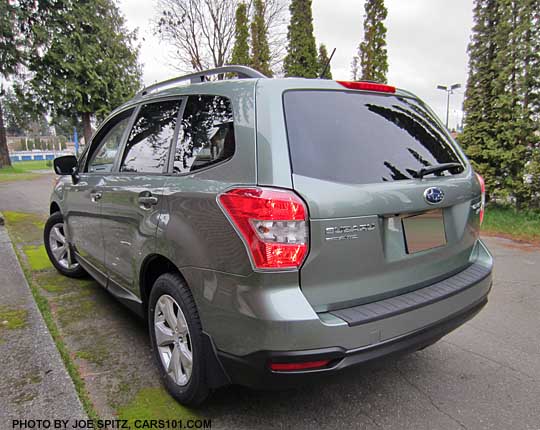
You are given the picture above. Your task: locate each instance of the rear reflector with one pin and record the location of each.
(483, 198)
(307, 365)
(368, 86)
(272, 224)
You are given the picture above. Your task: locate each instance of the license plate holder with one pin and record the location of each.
(424, 231)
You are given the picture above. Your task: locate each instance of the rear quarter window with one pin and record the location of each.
(363, 138)
(207, 134)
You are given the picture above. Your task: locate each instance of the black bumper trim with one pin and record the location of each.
(252, 370)
(415, 299)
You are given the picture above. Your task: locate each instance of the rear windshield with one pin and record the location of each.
(361, 138)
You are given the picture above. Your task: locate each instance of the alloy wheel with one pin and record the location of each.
(173, 340)
(60, 247)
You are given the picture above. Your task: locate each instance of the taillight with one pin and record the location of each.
(368, 86)
(306, 365)
(272, 224)
(483, 198)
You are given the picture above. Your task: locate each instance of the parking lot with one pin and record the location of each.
(485, 375)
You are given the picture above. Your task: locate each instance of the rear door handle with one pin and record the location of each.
(95, 196)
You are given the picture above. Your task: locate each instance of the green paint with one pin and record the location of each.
(12, 319)
(152, 403)
(37, 257)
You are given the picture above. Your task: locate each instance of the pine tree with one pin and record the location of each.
(11, 56)
(355, 68)
(510, 155)
(502, 97)
(301, 59)
(89, 65)
(478, 137)
(240, 53)
(530, 87)
(260, 51)
(372, 50)
(324, 63)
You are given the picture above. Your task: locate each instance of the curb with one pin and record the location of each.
(34, 383)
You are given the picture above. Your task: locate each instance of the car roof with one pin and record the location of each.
(198, 83)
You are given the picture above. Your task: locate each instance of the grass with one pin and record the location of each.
(27, 166)
(37, 257)
(152, 403)
(12, 319)
(522, 225)
(23, 170)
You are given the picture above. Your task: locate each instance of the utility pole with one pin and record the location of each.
(449, 90)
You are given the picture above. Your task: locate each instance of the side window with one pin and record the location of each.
(104, 150)
(208, 133)
(148, 144)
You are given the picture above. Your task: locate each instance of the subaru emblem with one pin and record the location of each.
(434, 195)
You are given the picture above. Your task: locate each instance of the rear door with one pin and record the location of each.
(131, 200)
(376, 228)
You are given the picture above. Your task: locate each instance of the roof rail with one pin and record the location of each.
(242, 72)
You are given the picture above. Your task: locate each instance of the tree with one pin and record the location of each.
(301, 59)
(89, 62)
(64, 126)
(324, 65)
(240, 53)
(21, 120)
(355, 69)
(479, 104)
(202, 32)
(260, 51)
(11, 56)
(372, 53)
(502, 97)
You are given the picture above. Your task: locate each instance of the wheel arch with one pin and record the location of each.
(153, 267)
(54, 207)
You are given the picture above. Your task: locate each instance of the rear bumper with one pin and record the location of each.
(259, 318)
(252, 370)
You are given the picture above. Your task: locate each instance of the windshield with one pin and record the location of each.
(361, 138)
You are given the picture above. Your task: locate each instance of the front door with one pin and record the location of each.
(83, 217)
(132, 194)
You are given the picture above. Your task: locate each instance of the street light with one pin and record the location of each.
(449, 90)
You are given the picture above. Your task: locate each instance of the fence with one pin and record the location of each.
(16, 156)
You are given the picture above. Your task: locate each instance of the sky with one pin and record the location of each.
(426, 40)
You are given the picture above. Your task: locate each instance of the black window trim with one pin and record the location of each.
(166, 170)
(208, 166)
(92, 149)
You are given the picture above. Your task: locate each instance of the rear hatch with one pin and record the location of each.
(377, 229)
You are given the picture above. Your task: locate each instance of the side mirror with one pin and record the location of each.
(67, 165)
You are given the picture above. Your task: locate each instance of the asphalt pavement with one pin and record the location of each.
(484, 375)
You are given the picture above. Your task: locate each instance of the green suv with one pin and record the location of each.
(274, 230)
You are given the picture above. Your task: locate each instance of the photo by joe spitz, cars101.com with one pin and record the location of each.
(262, 244)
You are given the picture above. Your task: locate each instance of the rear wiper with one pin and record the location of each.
(436, 169)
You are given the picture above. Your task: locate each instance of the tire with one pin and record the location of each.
(59, 250)
(188, 386)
